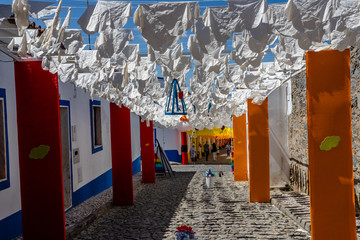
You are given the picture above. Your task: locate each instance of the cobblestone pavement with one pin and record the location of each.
(78, 217)
(297, 207)
(222, 212)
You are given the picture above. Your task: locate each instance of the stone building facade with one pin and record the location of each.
(297, 132)
(298, 135)
(355, 121)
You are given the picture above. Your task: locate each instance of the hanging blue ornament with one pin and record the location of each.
(175, 104)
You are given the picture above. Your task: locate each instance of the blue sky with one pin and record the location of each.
(79, 6)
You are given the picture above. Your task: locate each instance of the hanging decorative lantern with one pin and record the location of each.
(175, 104)
(184, 119)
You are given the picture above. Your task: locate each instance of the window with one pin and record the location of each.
(96, 133)
(4, 153)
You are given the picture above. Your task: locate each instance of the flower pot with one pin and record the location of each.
(185, 237)
(182, 236)
(209, 182)
(192, 237)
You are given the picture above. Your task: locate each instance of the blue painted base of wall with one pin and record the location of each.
(11, 227)
(173, 155)
(136, 165)
(93, 188)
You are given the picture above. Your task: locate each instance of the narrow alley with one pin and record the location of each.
(221, 212)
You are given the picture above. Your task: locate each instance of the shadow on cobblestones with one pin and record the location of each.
(221, 212)
(149, 218)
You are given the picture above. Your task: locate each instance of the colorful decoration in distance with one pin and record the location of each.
(159, 167)
(218, 133)
(232, 161)
(175, 96)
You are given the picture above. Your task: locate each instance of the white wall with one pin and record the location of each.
(278, 139)
(178, 141)
(10, 197)
(91, 165)
(170, 141)
(135, 136)
(168, 138)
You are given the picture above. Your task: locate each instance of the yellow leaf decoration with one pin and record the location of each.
(39, 152)
(329, 143)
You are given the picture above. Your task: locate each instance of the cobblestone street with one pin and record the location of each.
(222, 212)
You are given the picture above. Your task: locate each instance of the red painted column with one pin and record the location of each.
(38, 117)
(147, 152)
(121, 155)
(184, 149)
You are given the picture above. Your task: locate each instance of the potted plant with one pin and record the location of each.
(208, 177)
(185, 233)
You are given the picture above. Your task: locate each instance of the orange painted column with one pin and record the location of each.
(240, 148)
(259, 166)
(332, 204)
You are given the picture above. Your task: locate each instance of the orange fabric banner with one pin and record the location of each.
(259, 166)
(240, 148)
(332, 204)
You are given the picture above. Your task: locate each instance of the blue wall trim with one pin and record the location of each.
(136, 165)
(92, 188)
(5, 184)
(155, 143)
(11, 226)
(173, 155)
(93, 148)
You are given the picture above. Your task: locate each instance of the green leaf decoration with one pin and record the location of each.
(39, 152)
(329, 143)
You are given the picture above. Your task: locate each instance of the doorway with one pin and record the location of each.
(66, 152)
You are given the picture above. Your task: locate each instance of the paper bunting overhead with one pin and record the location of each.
(222, 80)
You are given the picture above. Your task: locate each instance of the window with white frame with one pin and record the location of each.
(4, 158)
(96, 132)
